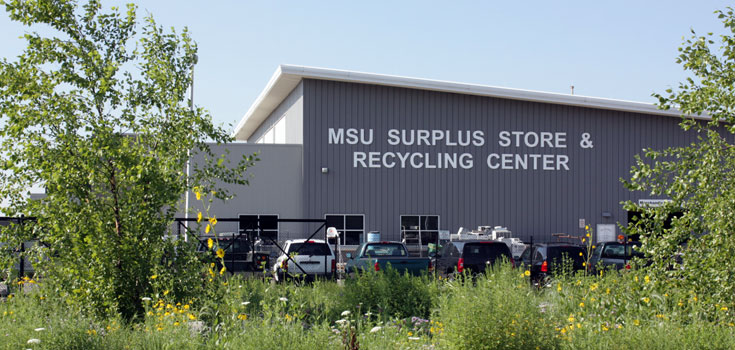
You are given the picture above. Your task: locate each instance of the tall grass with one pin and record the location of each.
(497, 310)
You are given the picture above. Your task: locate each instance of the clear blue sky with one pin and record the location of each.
(612, 49)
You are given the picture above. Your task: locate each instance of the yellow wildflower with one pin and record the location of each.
(647, 279)
(192, 317)
(199, 216)
(220, 253)
(724, 308)
(558, 287)
(198, 194)
(571, 318)
(206, 229)
(213, 221)
(242, 317)
(647, 300)
(154, 277)
(527, 273)
(604, 328)
(636, 278)
(581, 304)
(580, 254)
(586, 227)
(176, 323)
(222, 272)
(587, 234)
(210, 243)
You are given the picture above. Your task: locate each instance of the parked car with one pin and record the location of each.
(457, 257)
(379, 256)
(545, 259)
(305, 259)
(240, 253)
(614, 255)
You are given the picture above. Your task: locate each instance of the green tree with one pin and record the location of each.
(97, 114)
(699, 179)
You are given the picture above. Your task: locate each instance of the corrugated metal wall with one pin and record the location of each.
(528, 202)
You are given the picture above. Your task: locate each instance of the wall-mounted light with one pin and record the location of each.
(325, 170)
(606, 214)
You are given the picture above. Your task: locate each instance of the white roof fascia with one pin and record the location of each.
(287, 77)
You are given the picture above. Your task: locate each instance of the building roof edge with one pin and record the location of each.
(287, 77)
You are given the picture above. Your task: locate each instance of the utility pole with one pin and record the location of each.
(188, 155)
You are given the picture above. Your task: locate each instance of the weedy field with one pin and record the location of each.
(498, 310)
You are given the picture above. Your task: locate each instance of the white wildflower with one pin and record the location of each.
(34, 341)
(345, 313)
(283, 299)
(375, 329)
(40, 329)
(342, 321)
(245, 303)
(145, 299)
(414, 338)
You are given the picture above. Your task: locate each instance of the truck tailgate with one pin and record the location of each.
(410, 265)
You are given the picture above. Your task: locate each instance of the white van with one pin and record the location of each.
(308, 259)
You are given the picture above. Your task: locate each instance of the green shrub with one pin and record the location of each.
(497, 310)
(390, 294)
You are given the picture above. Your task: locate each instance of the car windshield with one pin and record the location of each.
(615, 250)
(309, 248)
(385, 250)
(484, 251)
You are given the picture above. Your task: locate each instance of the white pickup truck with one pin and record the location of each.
(305, 259)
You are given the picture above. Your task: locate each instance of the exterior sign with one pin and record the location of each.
(605, 233)
(652, 203)
(524, 150)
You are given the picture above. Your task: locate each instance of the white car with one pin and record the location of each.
(308, 259)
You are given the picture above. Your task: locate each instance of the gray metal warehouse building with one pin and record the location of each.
(407, 156)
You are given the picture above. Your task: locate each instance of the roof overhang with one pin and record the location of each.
(287, 77)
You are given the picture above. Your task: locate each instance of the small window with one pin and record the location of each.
(422, 229)
(537, 257)
(526, 255)
(351, 228)
(266, 225)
